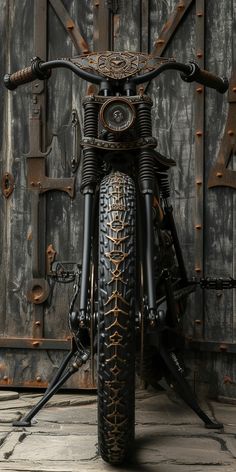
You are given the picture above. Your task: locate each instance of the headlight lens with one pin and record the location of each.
(117, 115)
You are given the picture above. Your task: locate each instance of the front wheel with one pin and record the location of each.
(116, 318)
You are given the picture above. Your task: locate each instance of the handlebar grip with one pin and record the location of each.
(20, 77)
(221, 84)
(24, 76)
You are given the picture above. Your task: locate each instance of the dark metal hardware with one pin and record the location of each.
(76, 138)
(7, 184)
(214, 283)
(64, 272)
(119, 146)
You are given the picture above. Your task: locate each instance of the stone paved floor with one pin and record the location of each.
(169, 437)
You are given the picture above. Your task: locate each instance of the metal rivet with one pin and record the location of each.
(198, 182)
(38, 323)
(35, 343)
(199, 13)
(219, 174)
(180, 6)
(234, 89)
(198, 322)
(38, 378)
(230, 132)
(198, 226)
(199, 133)
(223, 347)
(199, 90)
(198, 269)
(5, 377)
(199, 54)
(160, 41)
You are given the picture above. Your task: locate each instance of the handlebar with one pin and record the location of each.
(42, 70)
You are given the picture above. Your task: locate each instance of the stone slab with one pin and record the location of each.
(8, 395)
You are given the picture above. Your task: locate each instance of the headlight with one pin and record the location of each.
(117, 114)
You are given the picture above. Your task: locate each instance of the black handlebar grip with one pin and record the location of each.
(26, 75)
(221, 84)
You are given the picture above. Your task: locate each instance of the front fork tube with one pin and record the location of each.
(149, 255)
(87, 240)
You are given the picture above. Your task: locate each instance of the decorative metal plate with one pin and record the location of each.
(118, 65)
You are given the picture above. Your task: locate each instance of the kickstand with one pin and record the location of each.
(183, 388)
(80, 357)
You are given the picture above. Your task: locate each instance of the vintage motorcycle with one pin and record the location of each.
(133, 280)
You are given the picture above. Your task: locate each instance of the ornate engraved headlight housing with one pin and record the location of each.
(117, 114)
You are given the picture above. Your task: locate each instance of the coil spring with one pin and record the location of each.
(164, 185)
(145, 170)
(89, 171)
(144, 120)
(111, 137)
(146, 160)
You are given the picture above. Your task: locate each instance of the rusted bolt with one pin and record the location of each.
(219, 174)
(228, 379)
(70, 24)
(38, 378)
(199, 133)
(198, 226)
(199, 90)
(223, 347)
(230, 132)
(198, 322)
(35, 343)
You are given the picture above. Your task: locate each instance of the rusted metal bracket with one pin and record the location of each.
(37, 180)
(171, 26)
(199, 142)
(221, 175)
(7, 184)
(70, 26)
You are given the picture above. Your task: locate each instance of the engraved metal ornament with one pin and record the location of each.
(118, 65)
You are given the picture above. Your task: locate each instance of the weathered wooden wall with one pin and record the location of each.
(137, 25)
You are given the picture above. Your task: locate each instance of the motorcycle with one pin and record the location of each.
(133, 282)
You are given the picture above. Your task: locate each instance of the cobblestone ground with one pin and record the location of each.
(169, 437)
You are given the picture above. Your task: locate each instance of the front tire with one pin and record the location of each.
(116, 319)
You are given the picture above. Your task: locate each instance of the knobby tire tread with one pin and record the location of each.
(116, 318)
